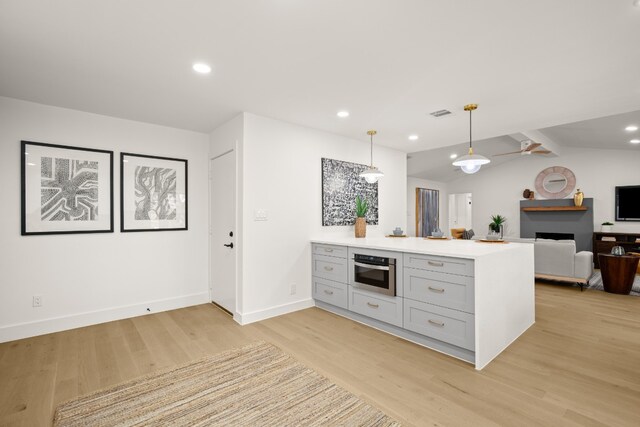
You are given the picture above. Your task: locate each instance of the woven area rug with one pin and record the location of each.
(595, 282)
(256, 385)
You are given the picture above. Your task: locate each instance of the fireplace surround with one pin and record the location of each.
(576, 222)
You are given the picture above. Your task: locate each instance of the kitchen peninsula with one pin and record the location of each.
(465, 298)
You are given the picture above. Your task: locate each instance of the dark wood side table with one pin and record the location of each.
(618, 272)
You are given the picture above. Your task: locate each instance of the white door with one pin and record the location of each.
(223, 230)
(460, 211)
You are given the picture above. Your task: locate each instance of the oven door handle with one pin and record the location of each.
(373, 267)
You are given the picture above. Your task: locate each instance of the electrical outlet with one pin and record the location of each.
(293, 289)
(37, 300)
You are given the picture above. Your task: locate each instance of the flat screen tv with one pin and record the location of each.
(628, 203)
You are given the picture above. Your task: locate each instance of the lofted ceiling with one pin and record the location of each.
(530, 65)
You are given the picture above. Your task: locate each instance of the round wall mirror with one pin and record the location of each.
(555, 182)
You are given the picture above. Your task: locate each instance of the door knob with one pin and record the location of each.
(230, 245)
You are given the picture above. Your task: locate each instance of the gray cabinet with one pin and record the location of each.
(377, 306)
(446, 290)
(451, 326)
(439, 264)
(333, 293)
(434, 303)
(330, 268)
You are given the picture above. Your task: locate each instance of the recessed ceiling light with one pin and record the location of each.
(635, 141)
(631, 128)
(201, 68)
(413, 137)
(453, 156)
(343, 114)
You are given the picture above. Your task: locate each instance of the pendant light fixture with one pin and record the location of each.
(471, 163)
(372, 174)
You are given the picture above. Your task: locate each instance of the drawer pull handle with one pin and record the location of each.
(437, 323)
(373, 305)
(436, 264)
(328, 292)
(328, 250)
(326, 267)
(439, 290)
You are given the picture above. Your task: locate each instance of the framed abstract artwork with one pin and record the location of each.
(341, 183)
(153, 193)
(65, 189)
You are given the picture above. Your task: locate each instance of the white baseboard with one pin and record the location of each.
(256, 316)
(63, 323)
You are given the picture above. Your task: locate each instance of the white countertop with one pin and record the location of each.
(471, 249)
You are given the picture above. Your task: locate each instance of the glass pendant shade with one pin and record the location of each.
(471, 163)
(372, 173)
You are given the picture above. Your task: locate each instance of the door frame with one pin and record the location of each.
(237, 231)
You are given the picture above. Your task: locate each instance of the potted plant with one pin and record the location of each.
(362, 207)
(497, 224)
(606, 227)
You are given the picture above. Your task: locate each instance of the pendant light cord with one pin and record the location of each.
(470, 111)
(372, 150)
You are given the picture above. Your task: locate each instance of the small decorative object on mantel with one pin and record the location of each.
(497, 224)
(362, 206)
(607, 227)
(578, 198)
(528, 194)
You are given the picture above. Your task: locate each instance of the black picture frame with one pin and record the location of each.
(126, 191)
(32, 222)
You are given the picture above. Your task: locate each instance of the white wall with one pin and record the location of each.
(226, 137)
(282, 174)
(499, 190)
(412, 184)
(91, 278)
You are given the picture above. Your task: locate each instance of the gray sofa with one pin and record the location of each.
(558, 260)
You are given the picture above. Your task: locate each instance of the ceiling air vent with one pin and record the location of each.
(440, 113)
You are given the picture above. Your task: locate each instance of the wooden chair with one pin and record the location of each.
(456, 233)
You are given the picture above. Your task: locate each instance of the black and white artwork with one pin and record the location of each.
(341, 183)
(66, 189)
(153, 193)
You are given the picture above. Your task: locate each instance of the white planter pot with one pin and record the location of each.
(607, 228)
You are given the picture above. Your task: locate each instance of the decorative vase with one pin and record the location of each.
(578, 198)
(361, 227)
(606, 229)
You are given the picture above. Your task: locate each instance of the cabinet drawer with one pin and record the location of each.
(333, 293)
(441, 264)
(445, 290)
(329, 250)
(451, 326)
(377, 306)
(330, 268)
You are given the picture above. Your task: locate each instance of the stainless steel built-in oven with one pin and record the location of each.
(374, 273)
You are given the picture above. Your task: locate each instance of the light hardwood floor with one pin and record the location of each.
(578, 365)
